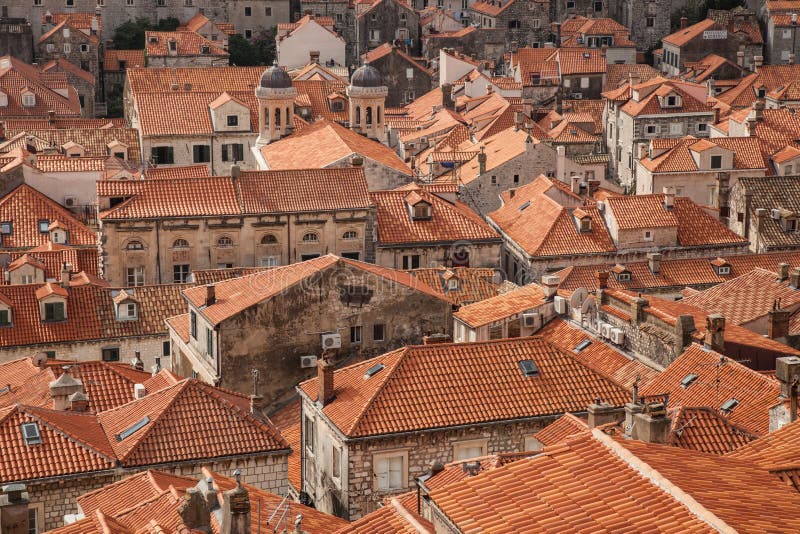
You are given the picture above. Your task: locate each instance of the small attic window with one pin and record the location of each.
(582, 345)
(205, 49)
(624, 276)
(724, 269)
(44, 226)
(586, 224)
(761, 92)
(728, 406)
(528, 368)
(421, 210)
(28, 100)
(372, 371)
(131, 430)
(688, 380)
(6, 228)
(452, 283)
(31, 434)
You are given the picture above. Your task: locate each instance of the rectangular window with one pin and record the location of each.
(111, 355)
(676, 128)
(233, 120)
(135, 276)
(33, 521)
(374, 36)
(163, 155)
(193, 324)
(411, 261)
(233, 152)
(389, 473)
(248, 34)
(309, 434)
(165, 348)
(4, 318)
(651, 129)
(270, 261)
(378, 332)
(702, 127)
(129, 3)
(248, 11)
(209, 342)
(355, 334)
(716, 162)
(584, 82)
(469, 449)
(268, 11)
(44, 226)
(180, 273)
(54, 311)
(516, 178)
(648, 235)
(51, 354)
(650, 22)
(201, 153)
(84, 48)
(6, 228)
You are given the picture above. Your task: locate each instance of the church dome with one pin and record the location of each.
(275, 78)
(366, 76)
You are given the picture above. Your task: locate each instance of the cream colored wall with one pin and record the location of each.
(295, 50)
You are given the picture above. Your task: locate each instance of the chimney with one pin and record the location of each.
(652, 425)
(638, 305)
(654, 262)
(715, 332)
(740, 58)
(644, 150)
(669, 198)
(195, 511)
(436, 339)
(519, 118)
(139, 391)
(211, 294)
(787, 371)
(447, 96)
(14, 502)
(758, 62)
(79, 402)
(550, 285)
(256, 404)
(602, 413)
(137, 363)
(632, 409)
(778, 321)
(156, 367)
(482, 160)
(66, 269)
(61, 389)
(235, 171)
(313, 56)
(325, 392)
(794, 278)
(602, 279)
(576, 183)
(357, 161)
(634, 79)
(783, 272)
(684, 23)
(236, 509)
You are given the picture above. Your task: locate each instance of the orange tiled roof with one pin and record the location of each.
(179, 171)
(130, 58)
(693, 97)
(474, 284)
(776, 452)
(774, 192)
(238, 294)
(448, 222)
(95, 141)
(392, 518)
(748, 153)
(718, 379)
(67, 21)
(287, 421)
(62, 65)
(16, 76)
(144, 486)
(188, 43)
(686, 35)
(561, 430)
(459, 377)
(24, 207)
(501, 306)
(386, 49)
(706, 430)
(325, 143)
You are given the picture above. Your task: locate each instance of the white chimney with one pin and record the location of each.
(139, 391)
(550, 285)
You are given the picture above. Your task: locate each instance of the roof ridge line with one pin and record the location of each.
(403, 352)
(24, 408)
(662, 483)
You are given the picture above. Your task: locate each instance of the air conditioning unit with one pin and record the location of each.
(69, 202)
(560, 304)
(617, 336)
(775, 214)
(331, 340)
(308, 361)
(530, 320)
(605, 330)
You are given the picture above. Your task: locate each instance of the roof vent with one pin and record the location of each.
(31, 434)
(528, 368)
(582, 345)
(372, 371)
(728, 406)
(525, 205)
(688, 380)
(128, 432)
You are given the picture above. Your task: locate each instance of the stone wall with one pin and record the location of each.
(485, 43)
(16, 39)
(480, 255)
(402, 89)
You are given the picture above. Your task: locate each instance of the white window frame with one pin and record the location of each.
(460, 448)
(647, 235)
(386, 484)
(137, 272)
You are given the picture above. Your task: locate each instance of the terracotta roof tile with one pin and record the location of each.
(180, 171)
(16, 76)
(287, 421)
(774, 192)
(188, 43)
(501, 306)
(144, 486)
(457, 378)
(94, 141)
(474, 284)
(392, 518)
(561, 430)
(706, 430)
(113, 59)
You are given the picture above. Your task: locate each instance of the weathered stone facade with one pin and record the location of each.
(16, 38)
(487, 43)
(388, 21)
(648, 20)
(525, 22)
(405, 78)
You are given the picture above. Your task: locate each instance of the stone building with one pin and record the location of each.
(16, 38)
(282, 320)
(385, 21)
(416, 228)
(526, 22)
(648, 21)
(25, 93)
(488, 43)
(356, 456)
(259, 218)
(115, 63)
(765, 211)
(84, 83)
(405, 77)
(103, 434)
(781, 43)
(182, 49)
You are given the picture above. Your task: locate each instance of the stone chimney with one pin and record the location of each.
(79, 402)
(715, 332)
(684, 23)
(357, 161)
(654, 262)
(758, 62)
(740, 58)
(794, 278)
(14, 502)
(447, 96)
(602, 413)
(211, 294)
(139, 391)
(550, 285)
(602, 279)
(66, 270)
(236, 509)
(137, 362)
(783, 272)
(198, 504)
(649, 423)
(575, 184)
(638, 304)
(778, 321)
(519, 119)
(787, 371)
(669, 198)
(61, 389)
(634, 79)
(236, 171)
(325, 391)
(256, 404)
(482, 160)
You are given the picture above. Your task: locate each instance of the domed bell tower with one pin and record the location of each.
(275, 96)
(367, 96)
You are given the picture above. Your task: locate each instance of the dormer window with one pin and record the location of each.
(789, 225)
(452, 283)
(54, 311)
(583, 219)
(672, 101)
(28, 100)
(761, 92)
(721, 267)
(233, 120)
(716, 162)
(173, 45)
(422, 211)
(127, 306)
(621, 273)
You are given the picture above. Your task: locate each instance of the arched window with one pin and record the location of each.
(277, 117)
(310, 237)
(369, 116)
(269, 239)
(134, 245)
(358, 115)
(266, 117)
(180, 243)
(350, 234)
(224, 242)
